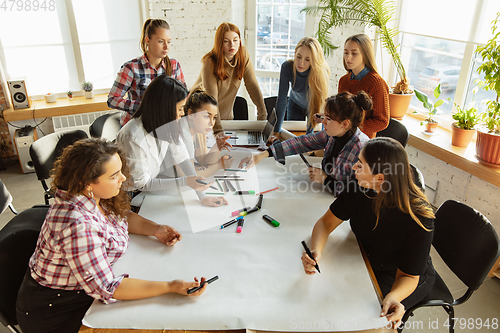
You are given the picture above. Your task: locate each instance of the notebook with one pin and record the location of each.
(252, 137)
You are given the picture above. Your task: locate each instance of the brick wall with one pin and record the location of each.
(458, 185)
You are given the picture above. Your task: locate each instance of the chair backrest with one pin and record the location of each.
(396, 130)
(466, 241)
(418, 177)
(45, 151)
(5, 197)
(17, 243)
(106, 126)
(270, 103)
(240, 108)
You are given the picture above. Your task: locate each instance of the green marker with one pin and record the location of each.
(270, 220)
(244, 192)
(214, 193)
(219, 185)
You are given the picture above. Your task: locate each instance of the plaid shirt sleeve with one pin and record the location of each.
(123, 83)
(300, 144)
(177, 71)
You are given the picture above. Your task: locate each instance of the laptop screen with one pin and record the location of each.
(268, 129)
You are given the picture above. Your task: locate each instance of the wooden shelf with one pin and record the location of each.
(440, 146)
(62, 106)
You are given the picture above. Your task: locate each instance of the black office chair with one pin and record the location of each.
(396, 130)
(418, 177)
(45, 151)
(17, 243)
(106, 126)
(270, 103)
(6, 199)
(468, 244)
(240, 108)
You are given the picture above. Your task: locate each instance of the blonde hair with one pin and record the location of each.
(366, 49)
(318, 77)
(148, 30)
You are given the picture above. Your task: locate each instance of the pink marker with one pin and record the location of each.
(240, 225)
(237, 212)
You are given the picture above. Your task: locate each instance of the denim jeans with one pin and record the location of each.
(296, 112)
(41, 309)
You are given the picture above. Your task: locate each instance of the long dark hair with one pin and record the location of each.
(158, 107)
(82, 163)
(348, 106)
(388, 157)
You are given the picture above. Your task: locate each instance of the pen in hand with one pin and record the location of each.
(205, 183)
(310, 255)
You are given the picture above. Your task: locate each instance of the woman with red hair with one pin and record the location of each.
(222, 70)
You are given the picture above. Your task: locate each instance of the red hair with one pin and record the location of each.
(217, 53)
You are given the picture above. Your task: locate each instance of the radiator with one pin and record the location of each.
(77, 121)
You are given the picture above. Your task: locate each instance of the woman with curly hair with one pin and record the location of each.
(84, 233)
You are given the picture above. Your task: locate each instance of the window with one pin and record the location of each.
(279, 26)
(63, 43)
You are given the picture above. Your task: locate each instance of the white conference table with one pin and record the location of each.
(262, 285)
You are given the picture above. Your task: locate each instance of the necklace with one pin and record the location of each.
(366, 195)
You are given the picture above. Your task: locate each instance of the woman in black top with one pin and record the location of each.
(392, 220)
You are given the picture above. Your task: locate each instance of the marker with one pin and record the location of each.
(244, 192)
(253, 210)
(273, 189)
(214, 193)
(218, 183)
(310, 255)
(195, 289)
(305, 161)
(226, 189)
(230, 185)
(205, 183)
(270, 220)
(236, 170)
(240, 225)
(227, 176)
(237, 212)
(259, 203)
(233, 221)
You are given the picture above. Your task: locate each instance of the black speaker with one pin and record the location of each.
(19, 94)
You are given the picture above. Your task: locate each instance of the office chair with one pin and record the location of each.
(6, 199)
(17, 243)
(270, 103)
(468, 244)
(418, 177)
(240, 108)
(396, 130)
(45, 151)
(106, 126)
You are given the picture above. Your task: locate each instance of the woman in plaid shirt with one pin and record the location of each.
(135, 75)
(341, 139)
(84, 234)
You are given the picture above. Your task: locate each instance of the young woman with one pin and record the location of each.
(222, 70)
(84, 234)
(153, 143)
(201, 112)
(341, 139)
(392, 220)
(308, 73)
(359, 61)
(135, 75)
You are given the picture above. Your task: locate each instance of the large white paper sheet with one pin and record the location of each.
(261, 284)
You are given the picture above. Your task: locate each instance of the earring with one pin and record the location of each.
(91, 194)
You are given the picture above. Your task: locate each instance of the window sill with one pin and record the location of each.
(62, 106)
(440, 146)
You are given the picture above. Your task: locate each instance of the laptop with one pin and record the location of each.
(257, 131)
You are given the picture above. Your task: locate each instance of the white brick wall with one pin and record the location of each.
(458, 185)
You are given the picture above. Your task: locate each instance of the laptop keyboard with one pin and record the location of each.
(254, 137)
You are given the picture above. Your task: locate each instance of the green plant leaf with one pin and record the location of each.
(437, 91)
(439, 103)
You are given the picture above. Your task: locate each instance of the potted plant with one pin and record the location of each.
(88, 87)
(70, 94)
(430, 123)
(488, 137)
(463, 129)
(372, 13)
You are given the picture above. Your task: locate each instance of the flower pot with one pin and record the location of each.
(488, 147)
(50, 98)
(399, 104)
(89, 94)
(431, 127)
(461, 137)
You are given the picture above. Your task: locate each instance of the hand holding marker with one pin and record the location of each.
(310, 255)
(205, 183)
(305, 161)
(195, 289)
